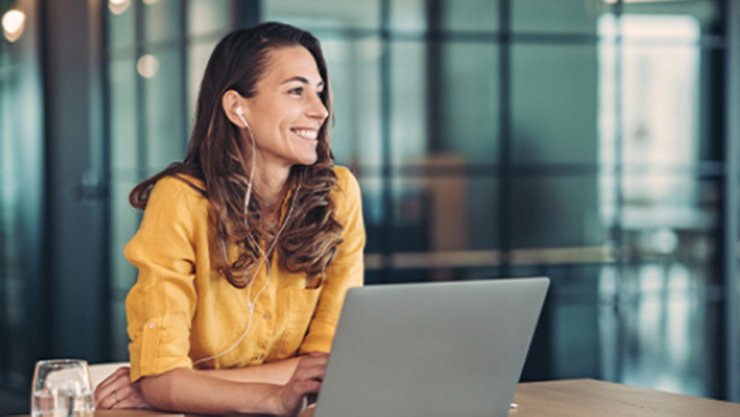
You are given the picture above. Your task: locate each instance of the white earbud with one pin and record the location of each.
(240, 114)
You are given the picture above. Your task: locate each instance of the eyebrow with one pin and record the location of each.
(303, 80)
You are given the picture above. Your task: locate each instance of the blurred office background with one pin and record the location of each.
(591, 141)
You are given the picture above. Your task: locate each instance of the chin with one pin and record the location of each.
(308, 159)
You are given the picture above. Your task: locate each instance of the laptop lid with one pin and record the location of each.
(431, 349)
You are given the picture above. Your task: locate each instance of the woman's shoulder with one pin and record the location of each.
(347, 188)
(182, 183)
(345, 178)
(177, 189)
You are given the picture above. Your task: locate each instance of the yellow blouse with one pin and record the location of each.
(181, 310)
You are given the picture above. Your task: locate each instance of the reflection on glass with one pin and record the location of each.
(198, 54)
(707, 12)
(556, 16)
(162, 20)
(423, 206)
(659, 90)
(409, 136)
(667, 323)
(554, 104)
(471, 15)
(209, 17)
(122, 79)
(556, 212)
(469, 102)
(408, 15)
(323, 14)
(680, 201)
(355, 81)
(165, 129)
(121, 24)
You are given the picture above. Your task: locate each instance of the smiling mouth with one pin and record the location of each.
(308, 134)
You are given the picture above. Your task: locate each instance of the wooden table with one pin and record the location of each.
(589, 398)
(569, 398)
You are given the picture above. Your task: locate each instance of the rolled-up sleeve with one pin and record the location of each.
(347, 269)
(161, 305)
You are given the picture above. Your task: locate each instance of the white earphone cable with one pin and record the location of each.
(265, 255)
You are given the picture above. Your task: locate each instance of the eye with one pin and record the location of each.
(297, 91)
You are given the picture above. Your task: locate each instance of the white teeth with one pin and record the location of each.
(307, 133)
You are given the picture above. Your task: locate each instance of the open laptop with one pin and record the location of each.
(431, 349)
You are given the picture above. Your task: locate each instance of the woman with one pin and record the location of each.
(246, 248)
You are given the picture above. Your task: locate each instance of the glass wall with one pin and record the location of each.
(22, 251)
(582, 140)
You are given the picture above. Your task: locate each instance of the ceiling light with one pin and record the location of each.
(118, 6)
(13, 22)
(147, 66)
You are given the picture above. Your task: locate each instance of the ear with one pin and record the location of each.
(230, 101)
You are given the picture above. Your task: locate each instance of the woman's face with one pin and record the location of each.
(286, 112)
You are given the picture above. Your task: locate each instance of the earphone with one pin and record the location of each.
(265, 255)
(240, 114)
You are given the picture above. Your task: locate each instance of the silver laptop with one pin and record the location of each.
(431, 349)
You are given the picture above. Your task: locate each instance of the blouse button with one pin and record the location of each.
(267, 316)
(151, 325)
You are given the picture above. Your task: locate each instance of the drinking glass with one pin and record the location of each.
(62, 388)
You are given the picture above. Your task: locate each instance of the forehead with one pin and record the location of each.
(289, 62)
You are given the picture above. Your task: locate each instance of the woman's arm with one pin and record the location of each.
(117, 390)
(193, 391)
(278, 372)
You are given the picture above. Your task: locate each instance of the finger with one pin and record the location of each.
(310, 369)
(105, 395)
(312, 372)
(117, 390)
(124, 392)
(106, 403)
(132, 401)
(116, 380)
(310, 386)
(122, 398)
(117, 374)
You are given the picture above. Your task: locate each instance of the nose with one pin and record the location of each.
(317, 109)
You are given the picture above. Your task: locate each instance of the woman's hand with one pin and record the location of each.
(292, 397)
(117, 391)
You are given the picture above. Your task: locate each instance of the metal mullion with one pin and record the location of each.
(140, 110)
(434, 80)
(99, 13)
(185, 68)
(617, 230)
(4, 276)
(504, 129)
(386, 155)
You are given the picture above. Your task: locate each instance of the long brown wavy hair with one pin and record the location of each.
(219, 156)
